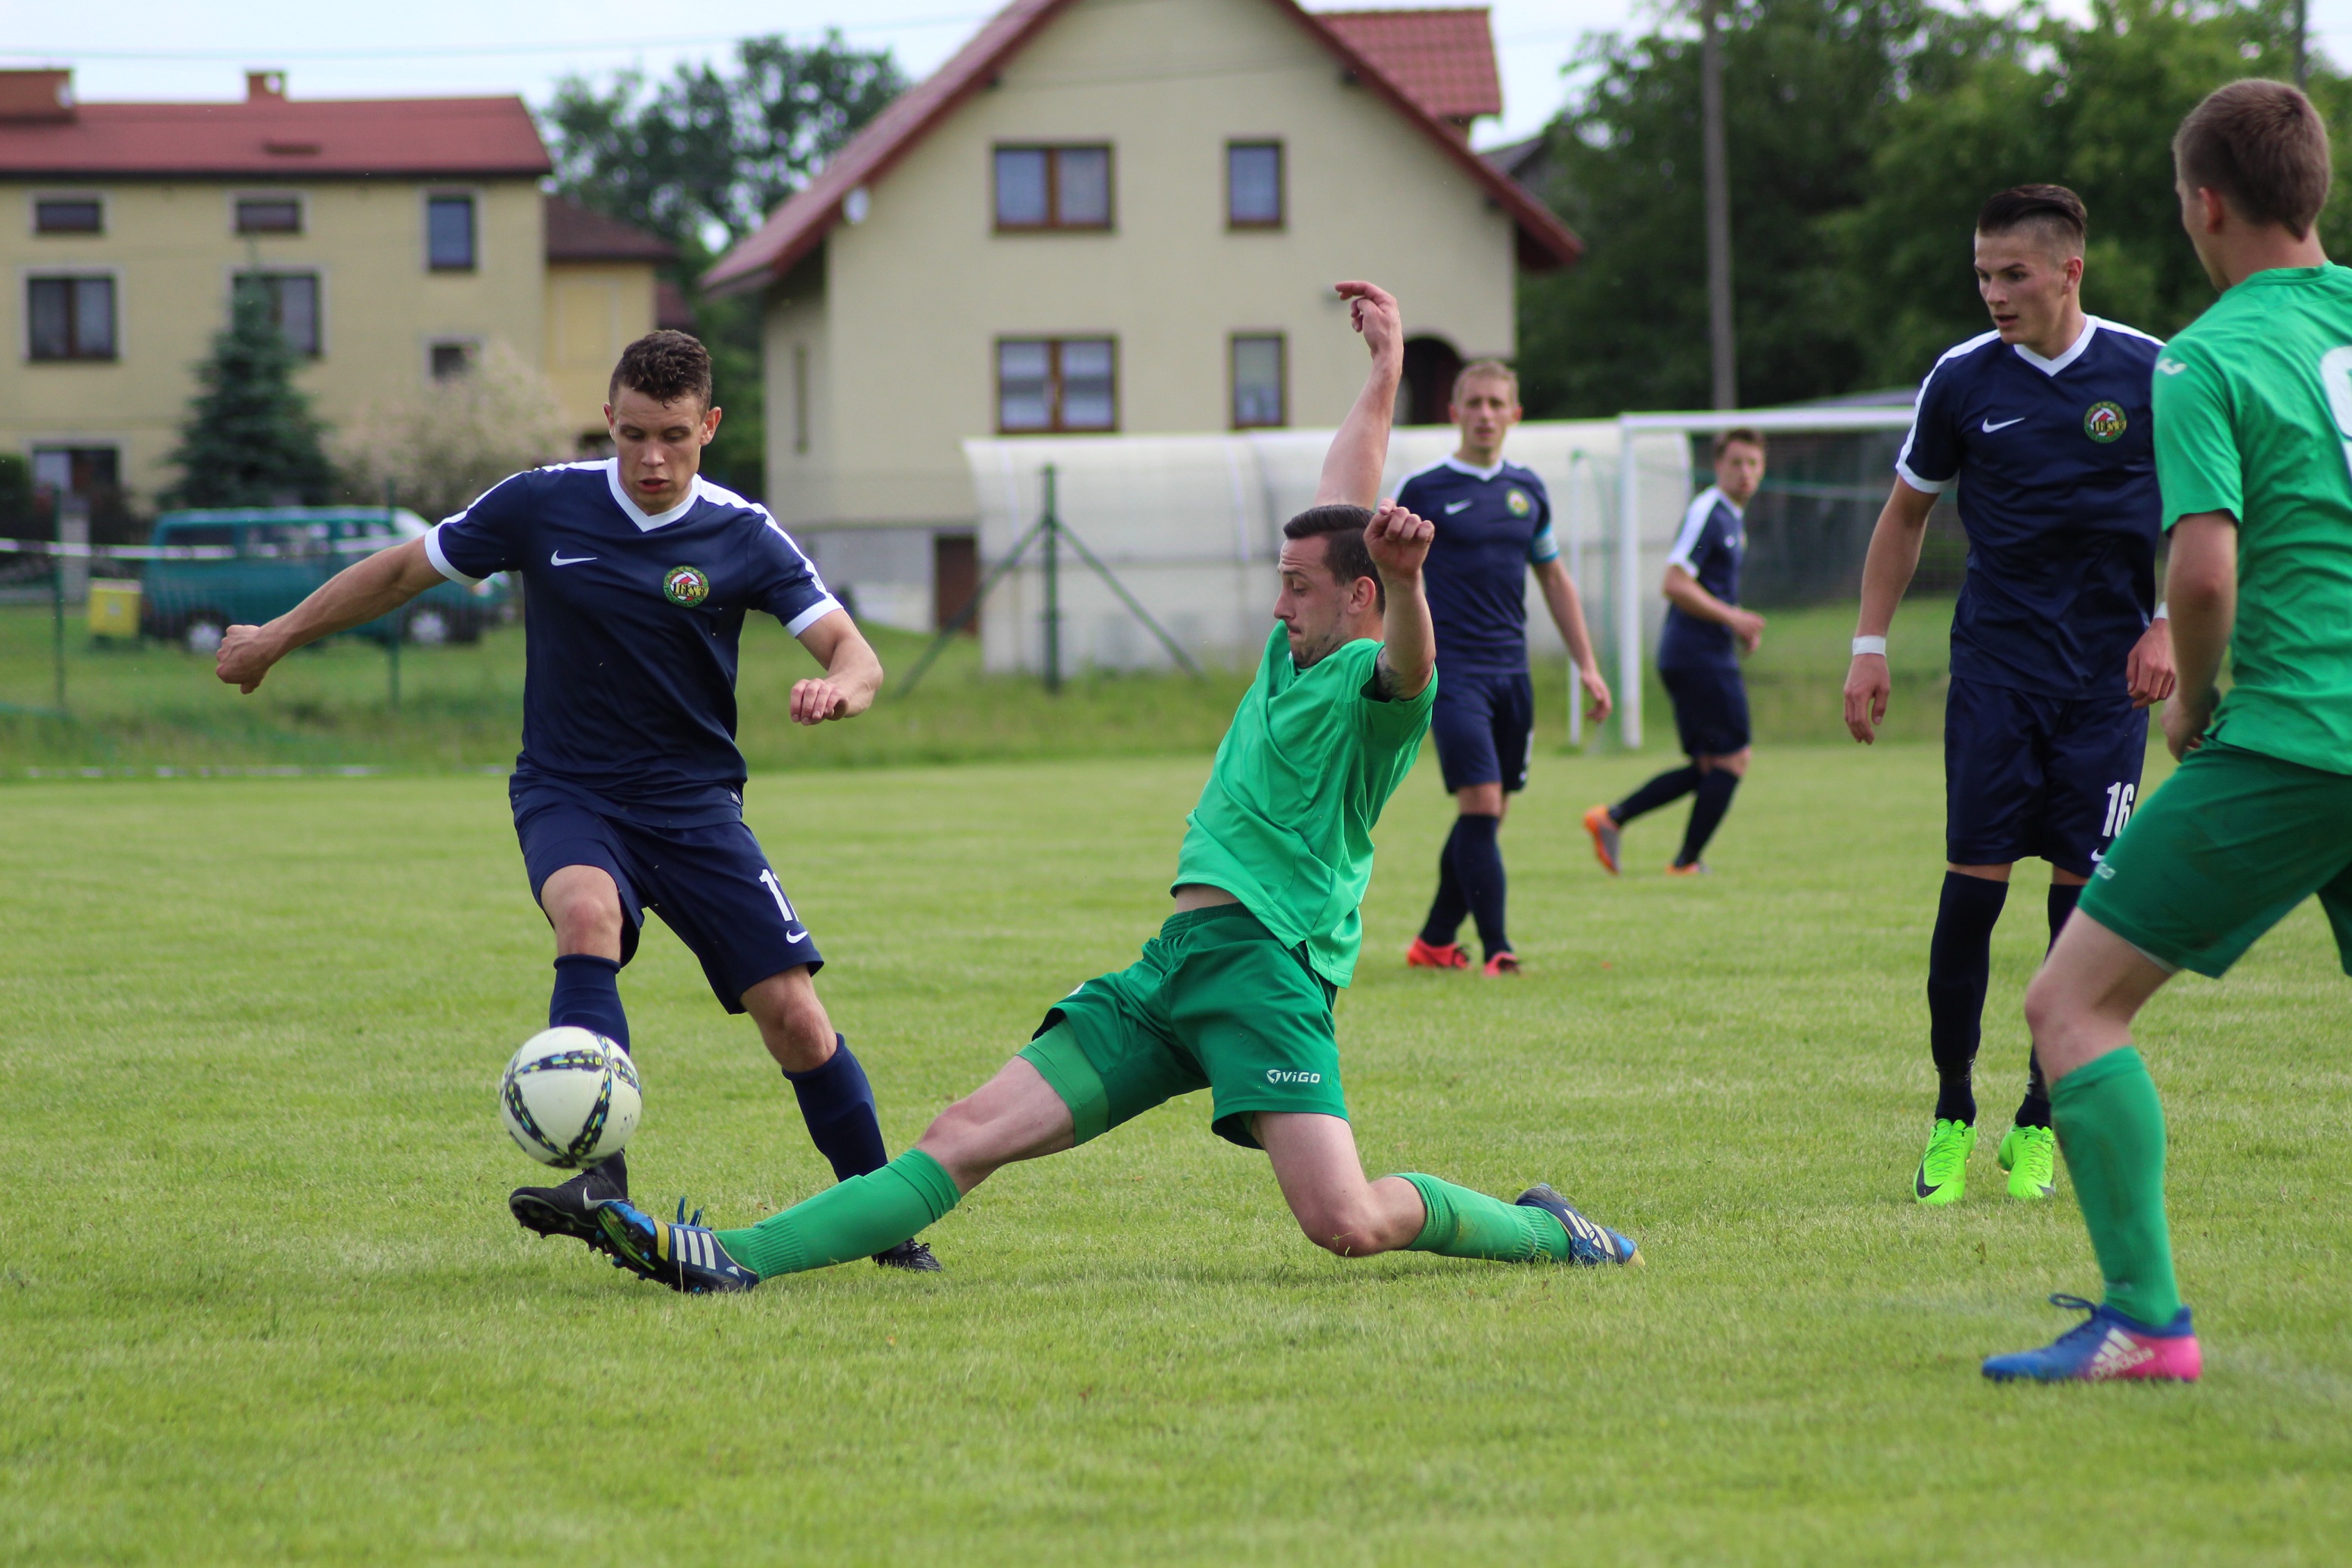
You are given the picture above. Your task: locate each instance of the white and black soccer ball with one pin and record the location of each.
(570, 1097)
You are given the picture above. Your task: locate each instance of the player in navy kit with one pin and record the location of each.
(1493, 522)
(2058, 645)
(1698, 661)
(628, 792)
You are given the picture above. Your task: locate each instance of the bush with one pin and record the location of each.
(441, 447)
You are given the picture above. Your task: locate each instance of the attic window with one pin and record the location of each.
(1053, 187)
(268, 215)
(69, 215)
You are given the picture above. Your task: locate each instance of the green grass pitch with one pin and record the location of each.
(260, 1300)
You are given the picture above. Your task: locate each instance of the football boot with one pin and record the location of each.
(1943, 1174)
(683, 1255)
(2030, 1156)
(1429, 956)
(1504, 963)
(1605, 830)
(909, 1255)
(1589, 1244)
(2104, 1347)
(566, 1210)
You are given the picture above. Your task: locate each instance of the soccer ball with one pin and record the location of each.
(570, 1097)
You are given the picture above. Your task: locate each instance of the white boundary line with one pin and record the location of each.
(1808, 421)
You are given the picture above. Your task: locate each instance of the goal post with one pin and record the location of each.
(1630, 428)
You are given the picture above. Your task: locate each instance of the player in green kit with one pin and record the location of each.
(1235, 993)
(2254, 453)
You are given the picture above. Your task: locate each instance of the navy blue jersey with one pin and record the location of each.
(2057, 476)
(632, 622)
(1710, 547)
(1492, 526)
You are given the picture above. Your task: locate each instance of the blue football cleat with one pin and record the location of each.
(1588, 1244)
(683, 1255)
(2104, 1346)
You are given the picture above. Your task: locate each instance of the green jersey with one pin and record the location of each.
(2253, 417)
(1285, 823)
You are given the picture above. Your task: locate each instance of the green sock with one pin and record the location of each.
(1464, 1224)
(2111, 1129)
(857, 1218)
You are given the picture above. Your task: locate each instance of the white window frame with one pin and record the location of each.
(33, 200)
(301, 200)
(318, 269)
(431, 341)
(424, 201)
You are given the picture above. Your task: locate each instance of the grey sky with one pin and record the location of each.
(172, 49)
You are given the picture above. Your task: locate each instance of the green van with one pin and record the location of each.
(247, 564)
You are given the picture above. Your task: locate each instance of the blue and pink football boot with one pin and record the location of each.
(2103, 1347)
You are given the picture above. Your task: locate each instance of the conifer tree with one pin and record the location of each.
(250, 439)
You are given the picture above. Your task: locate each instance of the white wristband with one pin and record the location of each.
(1870, 645)
(2160, 612)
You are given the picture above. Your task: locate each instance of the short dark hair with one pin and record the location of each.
(2263, 147)
(2053, 209)
(1341, 527)
(1743, 434)
(665, 366)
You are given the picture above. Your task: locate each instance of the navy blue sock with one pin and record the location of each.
(1665, 790)
(1706, 813)
(1478, 864)
(2033, 1110)
(1445, 911)
(588, 995)
(1959, 965)
(837, 1103)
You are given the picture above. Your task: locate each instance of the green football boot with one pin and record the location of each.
(1943, 1176)
(2030, 1156)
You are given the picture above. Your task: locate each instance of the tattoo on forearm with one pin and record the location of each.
(1384, 680)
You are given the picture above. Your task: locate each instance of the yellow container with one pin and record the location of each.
(113, 608)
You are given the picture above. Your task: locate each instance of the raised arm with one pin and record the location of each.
(1886, 573)
(853, 673)
(1352, 468)
(1398, 543)
(358, 593)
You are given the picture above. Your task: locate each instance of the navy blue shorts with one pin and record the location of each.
(1485, 726)
(1711, 709)
(710, 885)
(2033, 777)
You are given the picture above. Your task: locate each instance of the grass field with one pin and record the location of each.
(261, 1302)
(155, 705)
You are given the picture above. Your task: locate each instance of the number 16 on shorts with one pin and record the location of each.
(2119, 810)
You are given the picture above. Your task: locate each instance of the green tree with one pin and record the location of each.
(701, 159)
(250, 439)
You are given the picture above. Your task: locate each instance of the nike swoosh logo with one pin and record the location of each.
(1919, 1185)
(1454, 506)
(1989, 426)
(796, 936)
(2098, 855)
(560, 559)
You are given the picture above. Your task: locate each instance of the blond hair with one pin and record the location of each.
(1486, 369)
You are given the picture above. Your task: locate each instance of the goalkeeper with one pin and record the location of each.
(1235, 993)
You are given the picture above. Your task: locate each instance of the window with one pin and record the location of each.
(450, 234)
(1252, 184)
(453, 359)
(69, 318)
(268, 215)
(82, 471)
(1053, 187)
(69, 215)
(293, 306)
(1257, 380)
(1055, 384)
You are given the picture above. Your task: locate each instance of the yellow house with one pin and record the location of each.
(397, 239)
(1122, 216)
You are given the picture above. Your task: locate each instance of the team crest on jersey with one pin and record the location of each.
(1518, 502)
(2105, 422)
(687, 585)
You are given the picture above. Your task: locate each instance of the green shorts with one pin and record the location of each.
(2217, 856)
(1216, 1002)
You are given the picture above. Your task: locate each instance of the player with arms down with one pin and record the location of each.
(1493, 525)
(2058, 645)
(628, 792)
(1235, 993)
(2253, 422)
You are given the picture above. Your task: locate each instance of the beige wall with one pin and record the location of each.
(594, 310)
(918, 293)
(171, 248)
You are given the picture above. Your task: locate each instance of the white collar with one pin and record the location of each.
(646, 522)
(1459, 467)
(2053, 367)
(1738, 512)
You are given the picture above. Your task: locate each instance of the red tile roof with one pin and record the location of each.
(271, 138)
(575, 233)
(799, 225)
(1444, 60)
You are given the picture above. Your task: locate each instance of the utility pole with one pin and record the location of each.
(2302, 49)
(1718, 209)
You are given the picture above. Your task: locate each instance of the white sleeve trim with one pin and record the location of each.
(812, 615)
(441, 562)
(1924, 487)
(1693, 527)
